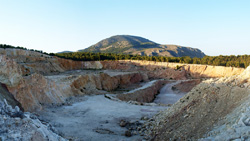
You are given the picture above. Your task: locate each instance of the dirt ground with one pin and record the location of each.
(97, 117)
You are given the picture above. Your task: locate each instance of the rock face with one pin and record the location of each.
(138, 45)
(10, 72)
(186, 86)
(145, 93)
(6, 95)
(55, 89)
(50, 83)
(169, 70)
(32, 62)
(204, 106)
(153, 71)
(42, 91)
(211, 110)
(206, 71)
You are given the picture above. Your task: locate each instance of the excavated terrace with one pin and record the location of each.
(120, 100)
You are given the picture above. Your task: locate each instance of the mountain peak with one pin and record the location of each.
(129, 44)
(120, 41)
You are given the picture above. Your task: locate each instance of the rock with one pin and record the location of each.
(20, 68)
(48, 90)
(209, 102)
(123, 123)
(139, 128)
(186, 86)
(151, 119)
(144, 118)
(31, 78)
(10, 72)
(167, 70)
(104, 131)
(145, 93)
(186, 116)
(128, 133)
(12, 127)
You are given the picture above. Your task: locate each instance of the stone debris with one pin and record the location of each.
(104, 131)
(235, 126)
(16, 125)
(128, 133)
(123, 123)
(216, 109)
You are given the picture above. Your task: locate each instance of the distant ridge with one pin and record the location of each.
(128, 44)
(65, 52)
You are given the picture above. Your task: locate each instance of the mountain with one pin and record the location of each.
(64, 52)
(128, 44)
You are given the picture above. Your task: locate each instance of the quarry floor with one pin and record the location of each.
(99, 118)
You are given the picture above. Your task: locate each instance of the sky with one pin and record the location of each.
(217, 27)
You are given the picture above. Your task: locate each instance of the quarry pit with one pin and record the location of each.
(61, 99)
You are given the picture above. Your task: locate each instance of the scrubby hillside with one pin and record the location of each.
(137, 45)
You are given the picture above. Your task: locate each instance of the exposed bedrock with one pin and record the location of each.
(33, 62)
(36, 79)
(37, 90)
(33, 80)
(150, 90)
(10, 72)
(145, 93)
(172, 70)
(186, 86)
(30, 62)
(5, 94)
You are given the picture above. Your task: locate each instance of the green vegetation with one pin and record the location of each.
(23, 48)
(120, 44)
(178, 67)
(127, 44)
(242, 61)
(115, 50)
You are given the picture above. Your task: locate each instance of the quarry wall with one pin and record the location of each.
(169, 70)
(36, 79)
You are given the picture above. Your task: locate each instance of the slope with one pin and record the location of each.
(128, 44)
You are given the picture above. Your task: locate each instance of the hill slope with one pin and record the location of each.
(137, 45)
(65, 51)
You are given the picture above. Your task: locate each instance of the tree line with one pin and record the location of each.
(241, 61)
(4, 46)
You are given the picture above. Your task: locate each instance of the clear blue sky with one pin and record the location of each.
(214, 26)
